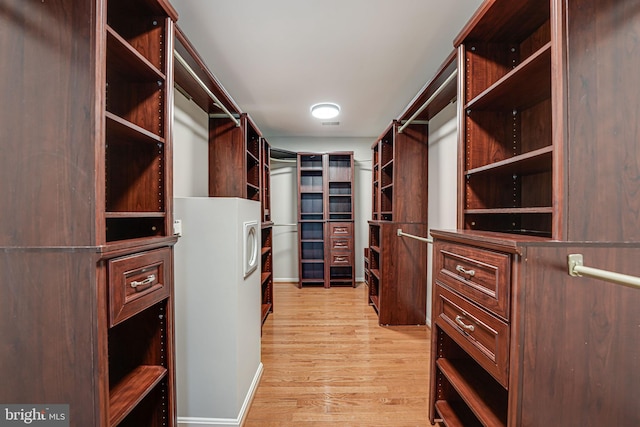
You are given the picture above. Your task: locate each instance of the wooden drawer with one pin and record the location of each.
(341, 244)
(482, 275)
(137, 282)
(338, 259)
(482, 335)
(340, 229)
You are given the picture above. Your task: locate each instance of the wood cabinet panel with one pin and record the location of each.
(398, 268)
(577, 339)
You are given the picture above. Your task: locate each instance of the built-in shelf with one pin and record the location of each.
(124, 396)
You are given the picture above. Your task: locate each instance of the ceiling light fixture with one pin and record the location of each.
(325, 110)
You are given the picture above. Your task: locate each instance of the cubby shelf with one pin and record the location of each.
(129, 392)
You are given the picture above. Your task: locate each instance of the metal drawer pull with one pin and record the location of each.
(340, 259)
(149, 280)
(464, 326)
(463, 270)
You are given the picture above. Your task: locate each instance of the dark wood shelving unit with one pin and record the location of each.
(542, 86)
(325, 219)
(267, 270)
(397, 283)
(105, 203)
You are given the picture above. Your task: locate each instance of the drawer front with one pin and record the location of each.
(341, 244)
(340, 259)
(482, 335)
(340, 229)
(481, 275)
(137, 282)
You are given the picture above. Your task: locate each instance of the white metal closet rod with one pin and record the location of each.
(285, 225)
(577, 269)
(205, 88)
(428, 101)
(422, 239)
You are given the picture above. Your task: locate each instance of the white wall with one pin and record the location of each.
(190, 149)
(284, 197)
(442, 179)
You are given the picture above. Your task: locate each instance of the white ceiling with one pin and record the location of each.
(278, 57)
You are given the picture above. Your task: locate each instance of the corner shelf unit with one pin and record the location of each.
(325, 219)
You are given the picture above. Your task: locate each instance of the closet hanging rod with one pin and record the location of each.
(422, 239)
(577, 268)
(428, 101)
(204, 87)
(285, 225)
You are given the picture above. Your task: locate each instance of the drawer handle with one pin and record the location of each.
(340, 244)
(149, 280)
(463, 270)
(341, 259)
(464, 326)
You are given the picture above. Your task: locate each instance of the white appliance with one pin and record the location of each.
(217, 304)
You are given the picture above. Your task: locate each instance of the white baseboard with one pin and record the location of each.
(226, 422)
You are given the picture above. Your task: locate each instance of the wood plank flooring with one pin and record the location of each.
(327, 362)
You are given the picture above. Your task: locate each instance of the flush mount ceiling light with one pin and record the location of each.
(325, 110)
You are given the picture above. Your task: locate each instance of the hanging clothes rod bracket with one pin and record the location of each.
(204, 87)
(411, 236)
(575, 263)
(428, 101)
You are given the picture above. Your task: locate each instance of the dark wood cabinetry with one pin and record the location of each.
(397, 273)
(325, 219)
(267, 230)
(397, 265)
(543, 159)
(87, 241)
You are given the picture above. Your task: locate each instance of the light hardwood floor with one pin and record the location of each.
(327, 362)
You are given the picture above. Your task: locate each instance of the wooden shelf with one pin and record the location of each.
(478, 390)
(526, 85)
(529, 163)
(456, 414)
(374, 301)
(493, 211)
(264, 277)
(266, 309)
(134, 215)
(125, 395)
(124, 129)
(128, 59)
